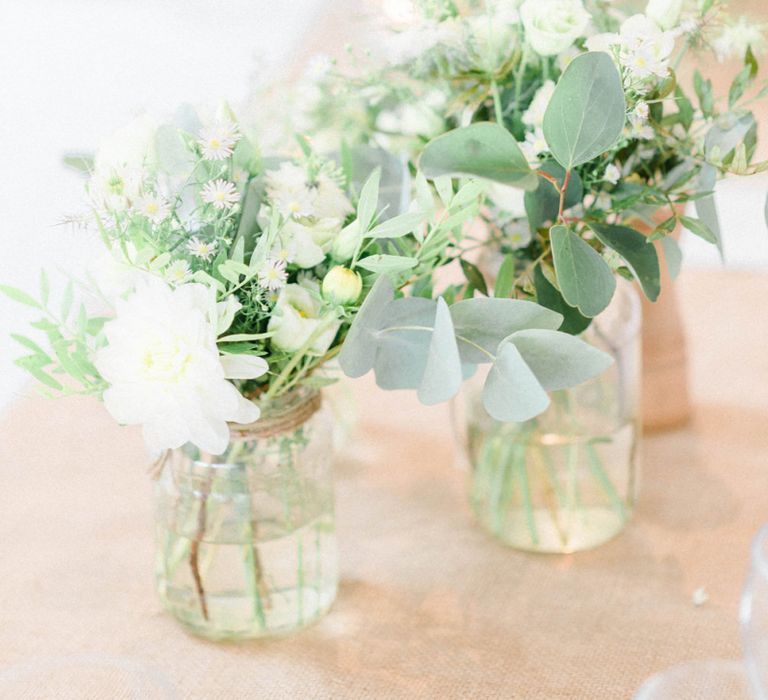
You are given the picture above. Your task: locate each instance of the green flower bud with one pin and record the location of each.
(342, 286)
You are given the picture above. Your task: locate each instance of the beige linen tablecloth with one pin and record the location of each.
(428, 607)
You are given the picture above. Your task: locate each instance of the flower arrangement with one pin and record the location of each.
(229, 278)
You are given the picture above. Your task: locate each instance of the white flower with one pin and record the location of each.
(164, 372)
(330, 202)
(664, 12)
(507, 198)
(410, 120)
(272, 275)
(201, 249)
(517, 235)
(534, 115)
(612, 174)
(221, 193)
(288, 190)
(311, 241)
(551, 26)
(117, 188)
(284, 251)
(603, 201)
(153, 207)
(297, 321)
(178, 272)
(645, 49)
(735, 38)
(218, 140)
(640, 113)
(534, 144)
(113, 272)
(492, 36)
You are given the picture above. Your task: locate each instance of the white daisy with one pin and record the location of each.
(272, 275)
(286, 252)
(218, 140)
(612, 174)
(289, 191)
(220, 193)
(201, 249)
(153, 207)
(178, 271)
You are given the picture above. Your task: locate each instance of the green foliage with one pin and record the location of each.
(549, 296)
(585, 279)
(699, 228)
(485, 150)
(505, 280)
(639, 254)
(511, 391)
(586, 114)
(543, 203)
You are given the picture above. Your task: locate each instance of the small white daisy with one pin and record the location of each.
(218, 140)
(153, 207)
(285, 252)
(220, 193)
(272, 275)
(201, 249)
(612, 174)
(178, 271)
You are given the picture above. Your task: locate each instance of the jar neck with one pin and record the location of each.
(281, 414)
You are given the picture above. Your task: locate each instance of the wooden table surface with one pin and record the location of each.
(428, 607)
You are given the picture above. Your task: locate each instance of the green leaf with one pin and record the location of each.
(398, 226)
(484, 149)
(505, 280)
(739, 85)
(442, 375)
(550, 297)
(511, 391)
(30, 365)
(587, 112)
(672, 255)
(387, 263)
(639, 254)
(20, 296)
(248, 227)
(698, 227)
(358, 352)
(727, 133)
(585, 279)
(80, 162)
(369, 198)
(703, 89)
(664, 229)
(481, 324)
(685, 111)
(474, 276)
(66, 301)
(45, 288)
(444, 187)
(31, 345)
(559, 360)
(706, 207)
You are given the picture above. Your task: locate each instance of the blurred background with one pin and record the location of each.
(75, 71)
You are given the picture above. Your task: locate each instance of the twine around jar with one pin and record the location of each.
(282, 422)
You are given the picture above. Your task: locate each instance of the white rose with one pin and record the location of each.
(311, 241)
(164, 371)
(534, 115)
(551, 26)
(665, 13)
(297, 319)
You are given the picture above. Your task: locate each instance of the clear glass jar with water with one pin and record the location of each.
(246, 543)
(566, 480)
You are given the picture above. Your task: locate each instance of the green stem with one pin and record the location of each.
(526, 493)
(498, 110)
(600, 474)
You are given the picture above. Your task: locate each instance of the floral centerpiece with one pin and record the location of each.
(574, 112)
(228, 282)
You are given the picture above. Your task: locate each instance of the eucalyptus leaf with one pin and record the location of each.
(559, 360)
(543, 204)
(511, 391)
(586, 114)
(358, 352)
(706, 207)
(638, 253)
(443, 372)
(727, 133)
(481, 324)
(483, 149)
(549, 296)
(585, 279)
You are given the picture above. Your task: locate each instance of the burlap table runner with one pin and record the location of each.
(429, 607)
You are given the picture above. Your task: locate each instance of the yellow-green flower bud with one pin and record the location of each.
(342, 286)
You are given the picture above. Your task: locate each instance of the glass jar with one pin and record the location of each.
(566, 480)
(246, 543)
